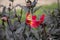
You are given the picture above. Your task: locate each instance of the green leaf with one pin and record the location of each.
(37, 8)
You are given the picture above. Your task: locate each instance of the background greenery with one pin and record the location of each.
(38, 12)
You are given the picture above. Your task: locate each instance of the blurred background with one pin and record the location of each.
(22, 2)
(46, 5)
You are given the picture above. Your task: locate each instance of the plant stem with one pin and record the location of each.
(58, 3)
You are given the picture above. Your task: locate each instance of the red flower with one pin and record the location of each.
(31, 20)
(35, 23)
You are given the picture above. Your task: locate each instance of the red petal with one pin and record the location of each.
(34, 24)
(34, 17)
(28, 20)
(42, 18)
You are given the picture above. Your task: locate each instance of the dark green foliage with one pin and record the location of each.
(18, 30)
